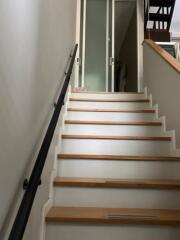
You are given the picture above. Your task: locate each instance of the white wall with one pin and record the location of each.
(36, 39)
(175, 25)
(163, 81)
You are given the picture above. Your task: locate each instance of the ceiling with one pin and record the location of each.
(123, 13)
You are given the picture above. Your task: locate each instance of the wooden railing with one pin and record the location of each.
(164, 54)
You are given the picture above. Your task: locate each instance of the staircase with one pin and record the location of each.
(118, 174)
(158, 16)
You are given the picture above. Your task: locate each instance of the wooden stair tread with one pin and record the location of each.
(116, 183)
(113, 216)
(116, 93)
(144, 123)
(111, 110)
(98, 137)
(118, 157)
(109, 100)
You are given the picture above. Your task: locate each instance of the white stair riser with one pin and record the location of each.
(119, 169)
(107, 197)
(113, 130)
(108, 105)
(117, 198)
(117, 96)
(115, 147)
(111, 116)
(56, 231)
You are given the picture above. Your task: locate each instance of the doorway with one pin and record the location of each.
(109, 32)
(96, 38)
(125, 46)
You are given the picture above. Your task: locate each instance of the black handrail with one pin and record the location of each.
(24, 210)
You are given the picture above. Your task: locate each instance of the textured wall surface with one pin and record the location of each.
(175, 26)
(36, 39)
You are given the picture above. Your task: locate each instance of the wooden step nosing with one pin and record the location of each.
(111, 110)
(109, 100)
(109, 93)
(114, 221)
(117, 157)
(117, 184)
(132, 123)
(114, 216)
(118, 138)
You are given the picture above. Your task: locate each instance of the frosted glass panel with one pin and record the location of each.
(95, 49)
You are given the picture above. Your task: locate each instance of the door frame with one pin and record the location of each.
(80, 60)
(107, 46)
(78, 32)
(140, 39)
(113, 45)
(84, 42)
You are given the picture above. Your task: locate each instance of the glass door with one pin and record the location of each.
(95, 49)
(96, 71)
